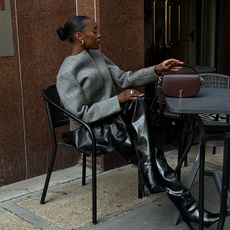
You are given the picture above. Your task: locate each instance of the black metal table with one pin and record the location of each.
(209, 101)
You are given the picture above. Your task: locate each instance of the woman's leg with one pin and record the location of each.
(179, 194)
(137, 126)
(156, 170)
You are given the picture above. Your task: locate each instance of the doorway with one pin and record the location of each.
(183, 29)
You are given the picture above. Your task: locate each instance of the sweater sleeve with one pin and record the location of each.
(127, 79)
(73, 99)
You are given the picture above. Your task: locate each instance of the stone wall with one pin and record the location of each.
(24, 135)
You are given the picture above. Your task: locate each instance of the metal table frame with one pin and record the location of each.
(209, 101)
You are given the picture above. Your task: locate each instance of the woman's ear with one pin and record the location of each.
(78, 38)
(78, 35)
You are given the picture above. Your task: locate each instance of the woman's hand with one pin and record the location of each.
(166, 65)
(129, 94)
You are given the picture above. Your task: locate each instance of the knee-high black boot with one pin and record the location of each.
(179, 194)
(137, 126)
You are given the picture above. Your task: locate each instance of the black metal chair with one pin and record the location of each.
(216, 122)
(224, 191)
(219, 133)
(215, 80)
(58, 117)
(216, 128)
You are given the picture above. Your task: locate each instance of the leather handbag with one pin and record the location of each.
(185, 82)
(108, 133)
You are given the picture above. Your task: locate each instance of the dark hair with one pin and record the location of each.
(73, 25)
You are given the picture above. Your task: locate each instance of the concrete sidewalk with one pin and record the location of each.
(69, 204)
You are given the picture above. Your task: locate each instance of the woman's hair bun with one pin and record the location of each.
(62, 33)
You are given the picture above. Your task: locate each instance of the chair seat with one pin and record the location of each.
(216, 126)
(219, 143)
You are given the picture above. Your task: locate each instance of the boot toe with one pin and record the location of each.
(210, 219)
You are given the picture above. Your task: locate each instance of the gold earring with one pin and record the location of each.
(82, 42)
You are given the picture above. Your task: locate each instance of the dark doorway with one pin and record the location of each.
(184, 29)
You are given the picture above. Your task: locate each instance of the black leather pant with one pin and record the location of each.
(137, 148)
(156, 173)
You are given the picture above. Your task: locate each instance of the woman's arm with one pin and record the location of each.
(74, 100)
(129, 78)
(139, 77)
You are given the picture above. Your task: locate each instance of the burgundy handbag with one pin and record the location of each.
(185, 82)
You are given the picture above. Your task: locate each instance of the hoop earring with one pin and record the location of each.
(82, 42)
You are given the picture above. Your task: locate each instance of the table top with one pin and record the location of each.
(209, 101)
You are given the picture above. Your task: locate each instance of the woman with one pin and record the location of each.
(86, 85)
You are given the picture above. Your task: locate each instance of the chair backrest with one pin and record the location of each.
(56, 117)
(215, 80)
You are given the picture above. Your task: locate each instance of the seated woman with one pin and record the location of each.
(86, 85)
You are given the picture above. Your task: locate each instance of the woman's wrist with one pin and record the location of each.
(157, 70)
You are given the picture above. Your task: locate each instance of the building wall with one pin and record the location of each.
(12, 163)
(122, 31)
(24, 136)
(24, 133)
(121, 26)
(25, 144)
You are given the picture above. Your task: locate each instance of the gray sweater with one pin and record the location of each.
(86, 85)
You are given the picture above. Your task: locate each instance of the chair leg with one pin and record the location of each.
(214, 150)
(50, 168)
(84, 170)
(225, 183)
(94, 188)
(141, 188)
(201, 183)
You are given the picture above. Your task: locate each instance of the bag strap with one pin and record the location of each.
(183, 65)
(160, 79)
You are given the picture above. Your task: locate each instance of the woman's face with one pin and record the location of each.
(90, 36)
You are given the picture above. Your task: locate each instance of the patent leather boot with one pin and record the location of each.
(180, 195)
(138, 128)
(127, 151)
(141, 136)
(189, 208)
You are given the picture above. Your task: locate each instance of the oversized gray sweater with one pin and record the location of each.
(86, 85)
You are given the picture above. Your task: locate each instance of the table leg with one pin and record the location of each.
(225, 183)
(201, 186)
(185, 143)
(188, 184)
(201, 172)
